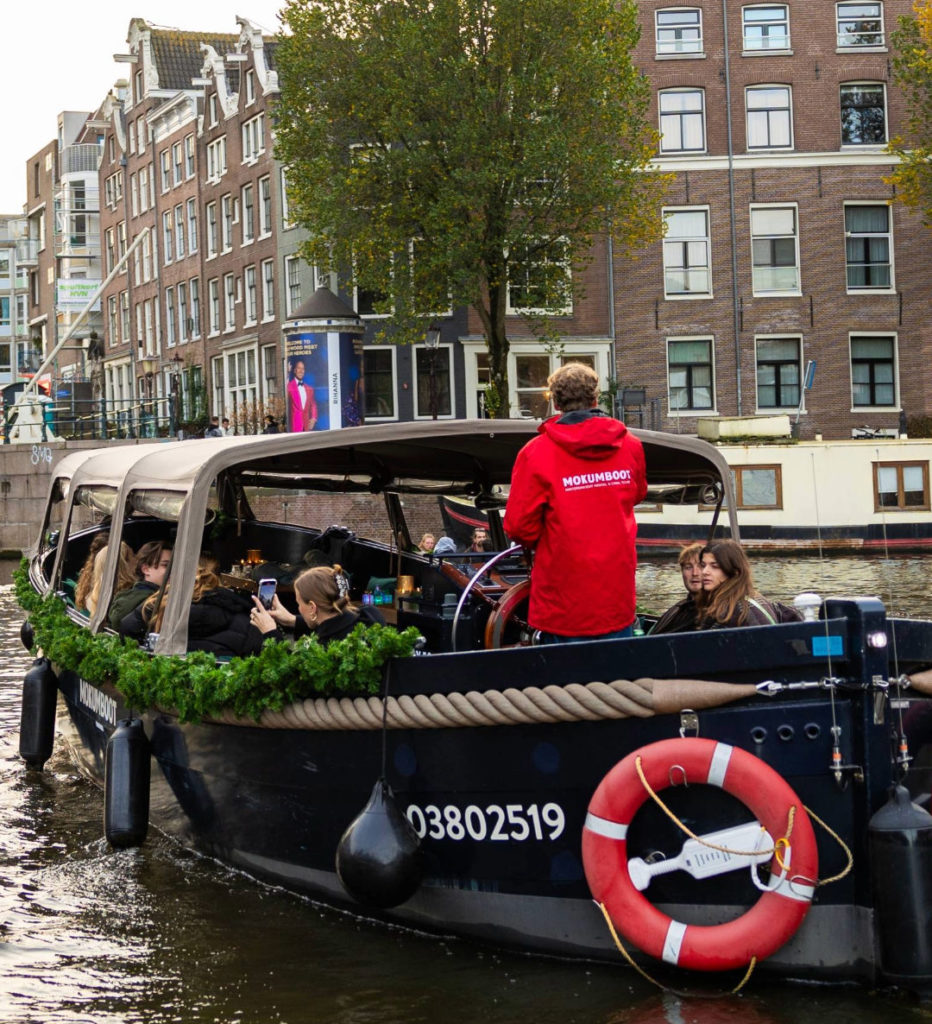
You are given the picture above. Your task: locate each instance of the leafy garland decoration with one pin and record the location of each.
(195, 685)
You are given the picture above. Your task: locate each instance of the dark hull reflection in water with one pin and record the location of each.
(92, 936)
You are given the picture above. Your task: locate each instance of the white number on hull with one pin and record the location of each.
(511, 823)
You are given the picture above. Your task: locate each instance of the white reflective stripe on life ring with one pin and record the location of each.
(604, 827)
(719, 764)
(673, 942)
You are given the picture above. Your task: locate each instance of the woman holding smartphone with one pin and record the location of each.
(324, 608)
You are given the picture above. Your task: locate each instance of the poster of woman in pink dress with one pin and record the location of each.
(302, 407)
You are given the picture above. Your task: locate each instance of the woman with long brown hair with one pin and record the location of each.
(729, 597)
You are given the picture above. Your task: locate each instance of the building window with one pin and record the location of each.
(251, 295)
(168, 246)
(229, 302)
(535, 276)
(682, 121)
(778, 373)
(165, 168)
(265, 206)
(868, 247)
(758, 486)
(679, 30)
(189, 156)
(774, 250)
(179, 231)
(145, 198)
(241, 377)
(766, 28)
(249, 214)
(213, 304)
(690, 374)
(686, 270)
(432, 364)
(860, 25)
(268, 290)
(292, 284)
(212, 109)
(378, 367)
(170, 316)
(177, 163)
(211, 210)
(873, 377)
(195, 307)
(226, 222)
(901, 485)
(250, 86)
(192, 225)
(769, 117)
(182, 311)
(216, 159)
(863, 115)
(253, 138)
(286, 222)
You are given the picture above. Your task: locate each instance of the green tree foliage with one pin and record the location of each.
(912, 69)
(496, 139)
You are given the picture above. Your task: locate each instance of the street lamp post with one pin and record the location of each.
(432, 343)
(148, 366)
(175, 366)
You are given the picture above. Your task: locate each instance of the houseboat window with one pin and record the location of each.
(903, 485)
(758, 486)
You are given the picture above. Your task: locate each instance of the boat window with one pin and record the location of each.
(55, 515)
(161, 504)
(92, 502)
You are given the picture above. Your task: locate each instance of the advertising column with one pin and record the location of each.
(323, 365)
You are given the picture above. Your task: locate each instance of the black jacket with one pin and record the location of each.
(337, 628)
(681, 618)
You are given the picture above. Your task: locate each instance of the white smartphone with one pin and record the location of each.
(267, 592)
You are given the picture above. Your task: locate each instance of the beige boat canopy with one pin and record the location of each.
(173, 480)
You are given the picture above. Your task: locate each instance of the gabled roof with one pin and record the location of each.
(178, 56)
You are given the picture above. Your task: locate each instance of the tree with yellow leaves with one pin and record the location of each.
(440, 152)
(912, 69)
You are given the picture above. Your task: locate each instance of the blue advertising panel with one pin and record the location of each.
(323, 385)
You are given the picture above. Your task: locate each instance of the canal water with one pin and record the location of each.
(161, 936)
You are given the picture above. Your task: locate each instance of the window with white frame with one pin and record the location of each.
(268, 289)
(250, 296)
(863, 114)
(121, 239)
(378, 368)
(769, 117)
(679, 31)
(213, 305)
(146, 257)
(165, 169)
(124, 316)
(765, 28)
(686, 247)
(229, 301)
(182, 311)
(110, 248)
(682, 121)
(168, 246)
(286, 222)
(211, 211)
(253, 138)
(145, 199)
(212, 109)
(177, 163)
(216, 159)
(170, 316)
(868, 246)
(433, 373)
(689, 369)
(248, 218)
(859, 25)
(536, 274)
(189, 156)
(241, 377)
(774, 250)
(250, 86)
(265, 206)
(778, 373)
(179, 231)
(873, 370)
(226, 222)
(292, 284)
(192, 225)
(195, 290)
(133, 195)
(113, 321)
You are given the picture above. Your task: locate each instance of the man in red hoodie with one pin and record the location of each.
(573, 492)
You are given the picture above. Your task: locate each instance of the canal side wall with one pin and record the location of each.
(25, 472)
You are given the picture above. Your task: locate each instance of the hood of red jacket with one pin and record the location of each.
(588, 434)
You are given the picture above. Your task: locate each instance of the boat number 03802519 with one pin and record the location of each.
(513, 822)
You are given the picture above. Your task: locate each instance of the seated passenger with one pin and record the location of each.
(480, 540)
(728, 595)
(125, 574)
(681, 618)
(426, 544)
(152, 562)
(445, 546)
(86, 576)
(324, 608)
(218, 620)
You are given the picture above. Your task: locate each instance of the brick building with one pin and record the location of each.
(781, 244)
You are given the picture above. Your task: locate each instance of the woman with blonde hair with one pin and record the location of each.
(324, 608)
(126, 574)
(86, 576)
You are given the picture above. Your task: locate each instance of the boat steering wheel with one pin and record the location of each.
(505, 610)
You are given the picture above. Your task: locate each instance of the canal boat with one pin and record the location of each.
(705, 802)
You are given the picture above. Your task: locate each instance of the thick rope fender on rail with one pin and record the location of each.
(621, 698)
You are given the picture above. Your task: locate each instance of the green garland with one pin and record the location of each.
(195, 685)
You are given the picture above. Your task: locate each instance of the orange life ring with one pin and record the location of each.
(765, 926)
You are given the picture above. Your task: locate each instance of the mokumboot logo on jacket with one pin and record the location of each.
(585, 481)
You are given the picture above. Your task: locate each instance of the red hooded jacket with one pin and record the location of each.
(573, 492)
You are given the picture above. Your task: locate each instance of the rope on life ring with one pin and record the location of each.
(765, 926)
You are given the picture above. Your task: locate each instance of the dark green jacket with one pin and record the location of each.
(126, 600)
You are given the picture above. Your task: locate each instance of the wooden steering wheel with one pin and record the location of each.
(507, 625)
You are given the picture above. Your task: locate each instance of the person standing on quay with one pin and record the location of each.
(573, 492)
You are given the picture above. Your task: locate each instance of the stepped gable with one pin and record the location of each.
(178, 56)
